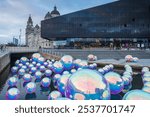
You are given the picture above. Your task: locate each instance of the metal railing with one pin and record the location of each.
(21, 49)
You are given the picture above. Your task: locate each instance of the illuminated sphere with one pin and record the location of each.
(38, 75)
(12, 81)
(91, 57)
(34, 63)
(146, 89)
(24, 67)
(50, 66)
(65, 72)
(129, 77)
(73, 71)
(146, 74)
(127, 73)
(30, 88)
(111, 67)
(38, 65)
(145, 69)
(106, 70)
(23, 60)
(91, 66)
(45, 82)
(67, 62)
(76, 63)
(21, 72)
(79, 69)
(87, 84)
(48, 73)
(95, 65)
(61, 83)
(17, 62)
(57, 67)
(54, 95)
(13, 94)
(101, 71)
(135, 59)
(27, 78)
(136, 95)
(14, 70)
(41, 60)
(20, 65)
(45, 64)
(33, 70)
(126, 80)
(36, 56)
(55, 79)
(42, 68)
(83, 64)
(127, 66)
(115, 81)
(129, 58)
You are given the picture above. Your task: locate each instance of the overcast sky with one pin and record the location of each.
(14, 13)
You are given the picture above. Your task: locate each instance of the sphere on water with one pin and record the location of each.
(38, 75)
(24, 67)
(45, 82)
(54, 95)
(91, 57)
(106, 70)
(48, 73)
(129, 58)
(83, 64)
(67, 62)
(17, 62)
(33, 70)
(42, 68)
(127, 73)
(73, 71)
(135, 59)
(27, 78)
(57, 67)
(136, 95)
(30, 88)
(87, 84)
(144, 70)
(41, 60)
(111, 67)
(30, 66)
(146, 74)
(38, 65)
(76, 63)
(12, 94)
(36, 56)
(101, 71)
(66, 72)
(115, 81)
(45, 64)
(55, 79)
(61, 83)
(23, 60)
(21, 72)
(126, 80)
(20, 65)
(91, 66)
(14, 70)
(12, 81)
(129, 77)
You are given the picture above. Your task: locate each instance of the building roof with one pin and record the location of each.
(55, 11)
(47, 16)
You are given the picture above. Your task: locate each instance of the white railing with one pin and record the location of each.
(21, 49)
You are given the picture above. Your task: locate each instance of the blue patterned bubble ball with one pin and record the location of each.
(17, 62)
(101, 71)
(66, 72)
(38, 65)
(21, 72)
(13, 94)
(136, 95)
(129, 58)
(48, 73)
(12, 81)
(45, 82)
(144, 70)
(76, 63)
(87, 84)
(62, 82)
(36, 56)
(58, 67)
(135, 59)
(33, 70)
(67, 62)
(27, 78)
(83, 64)
(23, 60)
(30, 88)
(41, 60)
(54, 95)
(38, 75)
(14, 70)
(55, 79)
(115, 81)
(42, 68)
(73, 71)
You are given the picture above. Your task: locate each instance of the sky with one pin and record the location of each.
(14, 13)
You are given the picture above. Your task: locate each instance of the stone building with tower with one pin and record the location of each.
(33, 33)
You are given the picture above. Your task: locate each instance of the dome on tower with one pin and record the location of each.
(37, 26)
(48, 16)
(55, 12)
